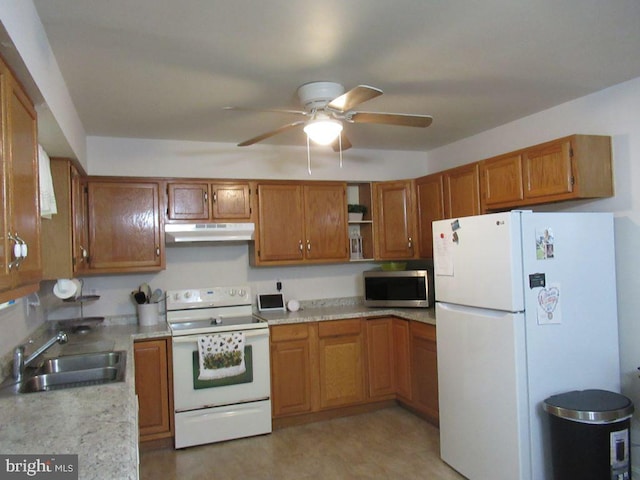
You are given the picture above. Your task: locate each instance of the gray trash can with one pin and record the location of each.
(590, 435)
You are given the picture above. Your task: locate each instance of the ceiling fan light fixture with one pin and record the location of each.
(323, 131)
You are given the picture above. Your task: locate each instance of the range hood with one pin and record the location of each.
(209, 232)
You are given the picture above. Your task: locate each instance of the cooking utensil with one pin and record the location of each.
(146, 289)
(156, 296)
(139, 297)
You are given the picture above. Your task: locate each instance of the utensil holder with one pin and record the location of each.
(148, 314)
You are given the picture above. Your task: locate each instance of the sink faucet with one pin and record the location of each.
(20, 363)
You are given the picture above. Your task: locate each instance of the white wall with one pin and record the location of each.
(616, 112)
(170, 158)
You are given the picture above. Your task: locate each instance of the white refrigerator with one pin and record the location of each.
(525, 309)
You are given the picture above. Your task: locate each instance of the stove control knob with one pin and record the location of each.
(176, 296)
(242, 292)
(232, 292)
(187, 294)
(218, 321)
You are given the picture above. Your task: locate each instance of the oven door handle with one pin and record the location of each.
(192, 338)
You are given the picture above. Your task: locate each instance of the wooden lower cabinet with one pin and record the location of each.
(328, 367)
(424, 370)
(154, 388)
(402, 358)
(380, 358)
(341, 363)
(291, 369)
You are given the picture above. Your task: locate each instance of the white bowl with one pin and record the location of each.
(64, 288)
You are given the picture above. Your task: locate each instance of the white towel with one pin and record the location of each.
(221, 355)
(48, 205)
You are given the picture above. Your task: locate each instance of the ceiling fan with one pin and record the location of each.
(326, 106)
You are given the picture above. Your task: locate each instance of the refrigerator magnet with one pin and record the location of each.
(548, 306)
(544, 243)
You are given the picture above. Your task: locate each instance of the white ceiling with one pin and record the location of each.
(164, 69)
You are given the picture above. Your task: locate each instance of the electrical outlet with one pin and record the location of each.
(279, 285)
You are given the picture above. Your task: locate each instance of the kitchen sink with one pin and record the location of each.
(81, 362)
(71, 371)
(70, 379)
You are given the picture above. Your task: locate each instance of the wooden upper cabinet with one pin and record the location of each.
(188, 201)
(547, 170)
(394, 219)
(20, 192)
(300, 222)
(462, 191)
(205, 201)
(124, 225)
(325, 222)
(568, 168)
(280, 223)
(502, 180)
(431, 207)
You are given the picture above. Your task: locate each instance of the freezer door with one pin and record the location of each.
(478, 261)
(482, 393)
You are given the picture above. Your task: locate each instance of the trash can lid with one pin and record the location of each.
(590, 406)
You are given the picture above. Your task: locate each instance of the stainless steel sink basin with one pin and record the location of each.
(82, 362)
(69, 379)
(71, 371)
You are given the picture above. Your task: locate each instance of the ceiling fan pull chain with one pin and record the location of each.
(308, 156)
(340, 144)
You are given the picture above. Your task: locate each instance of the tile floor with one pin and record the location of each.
(386, 444)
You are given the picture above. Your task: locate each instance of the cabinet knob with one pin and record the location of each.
(215, 197)
(206, 196)
(308, 246)
(157, 250)
(410, 243)
(300, 247)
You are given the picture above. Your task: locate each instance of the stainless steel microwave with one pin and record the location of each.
(406, 288)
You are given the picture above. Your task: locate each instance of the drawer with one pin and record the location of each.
(337, 328)
(281, 333)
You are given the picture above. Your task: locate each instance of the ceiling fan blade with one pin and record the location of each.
(275, 110)
(346, 144)
(353, 97)
(401, 119)
(259, 138)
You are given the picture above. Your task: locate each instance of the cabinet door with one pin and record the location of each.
(290, 370)
(462, 191)
(153, 388)
(380, 357)
(5, 246)
(424, 368)
(79, 207)
(230, 202)
(547, 170)
(325, 222)
(402, 358)
(394, 220)
(188, 201)
(501, 180)
(22, 174)
(341, 363)
(124, 225)
(430, 200)
(281, 223)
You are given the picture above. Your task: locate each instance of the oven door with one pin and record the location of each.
(189, 393)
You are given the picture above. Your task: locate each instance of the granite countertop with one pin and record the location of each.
(97, 423)
(318, 313)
